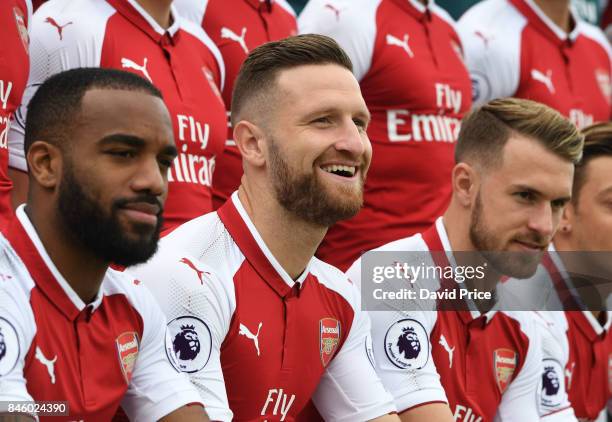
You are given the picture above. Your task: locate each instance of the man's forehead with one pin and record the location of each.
(316, 76)
(599, 171)
(527, 163)
(319, 86)
(123, 107)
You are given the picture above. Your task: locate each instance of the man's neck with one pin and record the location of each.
(292, 241)
(159, 11)
(557, 11)
(83, 271)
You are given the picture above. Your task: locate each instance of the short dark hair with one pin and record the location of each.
(53, 108)
(260, 69)
(597, 143)
(485, 131)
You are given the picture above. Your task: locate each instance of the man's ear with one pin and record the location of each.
(465, 184)
(249, 139)
(45, 164)
(567, 219)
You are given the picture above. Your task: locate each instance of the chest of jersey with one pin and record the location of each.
(573, 77)
(239, 32)
(236, 33)
(417, 86)
(278, 347)
(589, 368)
(185, 72)
(87, 361)
(14, 65)
(476, 360)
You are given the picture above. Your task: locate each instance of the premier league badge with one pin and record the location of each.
(9, 347)
(552, 388)
(407, 344)
(188, 343)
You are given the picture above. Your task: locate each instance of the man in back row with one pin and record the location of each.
(515, 163)
(274, 325)
(98, 145)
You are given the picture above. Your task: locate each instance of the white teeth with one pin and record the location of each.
(335, 168)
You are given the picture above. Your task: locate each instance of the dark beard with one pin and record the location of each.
(85, 221)
(513, 264)
(304, 196)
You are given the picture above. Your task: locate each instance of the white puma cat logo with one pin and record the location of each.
(129, 64)
(49, 364)
(244, 331)
(231, 35)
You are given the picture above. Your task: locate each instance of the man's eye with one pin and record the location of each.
(558, 203)
(322, 120)
(122, 153)
(166, 162)
(525, 195)
(361, 124)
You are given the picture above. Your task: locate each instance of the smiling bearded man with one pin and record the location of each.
(277, 326)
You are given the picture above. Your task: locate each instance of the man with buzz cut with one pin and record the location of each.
(277, 326)
(98, 144)
(512, 178)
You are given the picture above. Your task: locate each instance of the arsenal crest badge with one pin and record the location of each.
(505, 362)
(127, 348)
(21, 27)
(330, 338)
(603, 80)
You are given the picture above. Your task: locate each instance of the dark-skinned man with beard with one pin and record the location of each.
(513, 175)
(98, 144)
(275, 325)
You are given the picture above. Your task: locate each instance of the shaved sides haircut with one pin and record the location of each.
(259, 72)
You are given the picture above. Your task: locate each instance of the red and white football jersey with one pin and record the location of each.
(590, 363)
(181, 61)
(237, 27)
(54, 347)
(588, 345)
(486, 366)
(408, 61)
(266, 344)
(552, 391)
(15, 16)
(513, 49)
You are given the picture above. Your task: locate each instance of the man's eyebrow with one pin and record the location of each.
(538, 193)
(605, 192)
(526, 188)
(170, 150)
(122, 138)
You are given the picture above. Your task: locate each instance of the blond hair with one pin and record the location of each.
(485, 131)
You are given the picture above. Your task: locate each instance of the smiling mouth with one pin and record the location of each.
(340, 170)
(531, 246)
